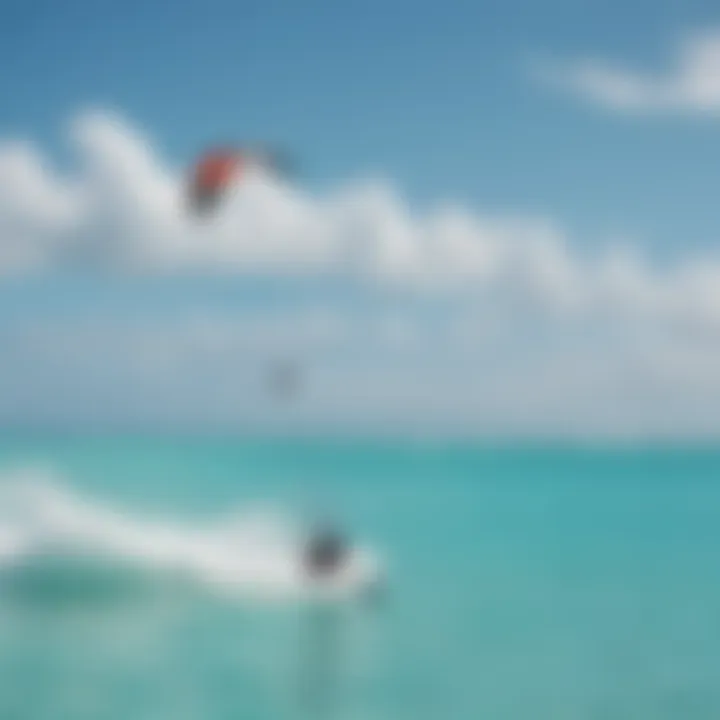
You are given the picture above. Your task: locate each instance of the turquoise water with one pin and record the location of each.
(525, 583)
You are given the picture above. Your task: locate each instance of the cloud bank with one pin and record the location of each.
(496, 325)
(690, 86)
(471, 372)
(121, 210)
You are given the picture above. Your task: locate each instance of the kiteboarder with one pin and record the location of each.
(325, 551)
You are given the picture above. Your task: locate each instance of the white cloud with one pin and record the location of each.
(509, 328)
(690, 85)
(122, 210)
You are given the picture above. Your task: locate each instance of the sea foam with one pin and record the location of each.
(248, 552)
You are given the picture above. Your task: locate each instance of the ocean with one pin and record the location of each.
(524, 583)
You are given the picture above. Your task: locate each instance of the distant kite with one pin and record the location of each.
(284, 379)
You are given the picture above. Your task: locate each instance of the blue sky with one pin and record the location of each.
(435, 95)
(406, 107)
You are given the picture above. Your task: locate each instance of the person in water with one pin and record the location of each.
(326, 551)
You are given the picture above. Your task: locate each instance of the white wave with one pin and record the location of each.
(249, 553)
